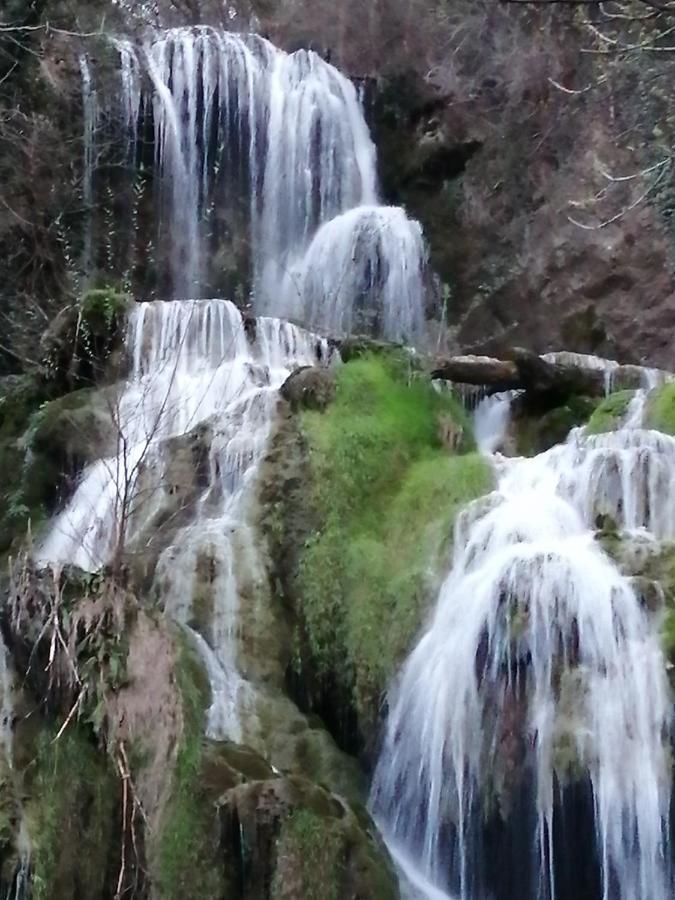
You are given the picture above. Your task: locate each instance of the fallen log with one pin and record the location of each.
(524, 370)
(482, 371)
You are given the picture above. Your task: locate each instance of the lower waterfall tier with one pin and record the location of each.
(538, 697)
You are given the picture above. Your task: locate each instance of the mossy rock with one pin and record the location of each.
(228, 810)
(103, 310)
(660, 413)
(610, 413)
(536, 431)
(305, 843)
(74, 429)
(78, 344)
(44, 444)
(188, 840)
(299, 743)
(359, 503)
(311, 387)
(10, 823)
(651, 568)
(72, 812)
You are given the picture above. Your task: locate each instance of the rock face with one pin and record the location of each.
(512, 179)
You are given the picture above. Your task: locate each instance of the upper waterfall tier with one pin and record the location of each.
(257, 151)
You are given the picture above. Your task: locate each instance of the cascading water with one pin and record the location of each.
(540, 672)
(234, 115)
(193, 364)
(363, 272)
(89, 137)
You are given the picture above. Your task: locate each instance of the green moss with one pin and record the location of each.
(661, 409)
(536, 433)
(71, 812)
(189, 834)
(309, 850)
(386, 495)
(610, 412)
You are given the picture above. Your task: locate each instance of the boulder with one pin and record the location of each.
(310, 387)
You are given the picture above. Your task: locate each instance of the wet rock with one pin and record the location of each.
(533, 431)
(649, 592)
(167, 495)
(310, 387)
(303, 842)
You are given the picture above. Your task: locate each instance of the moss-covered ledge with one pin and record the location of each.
(610, 412)
(358, 505)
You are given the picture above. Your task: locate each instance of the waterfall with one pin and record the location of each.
(90, 111)
(368, 264)
(245, 130)
(491, 421)
(193, 364)
(539, 670)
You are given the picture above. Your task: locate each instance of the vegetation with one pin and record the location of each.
(71, 814)
(610, 412)
(189, 835)
(309, 854)
(535, 434)
(20, 396)
(386, 494)
(661, 409)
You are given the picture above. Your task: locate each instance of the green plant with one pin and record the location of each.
(609, 413)
(103, 305)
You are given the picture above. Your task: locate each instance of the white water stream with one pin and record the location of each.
(193, 364)
(232, 114)
(537, 635)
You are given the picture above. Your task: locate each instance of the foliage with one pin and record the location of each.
(661, 409)
(189, 836)
(102, 307)
(22, 500)
(71, 817)
(386, 495)
(610, 412)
